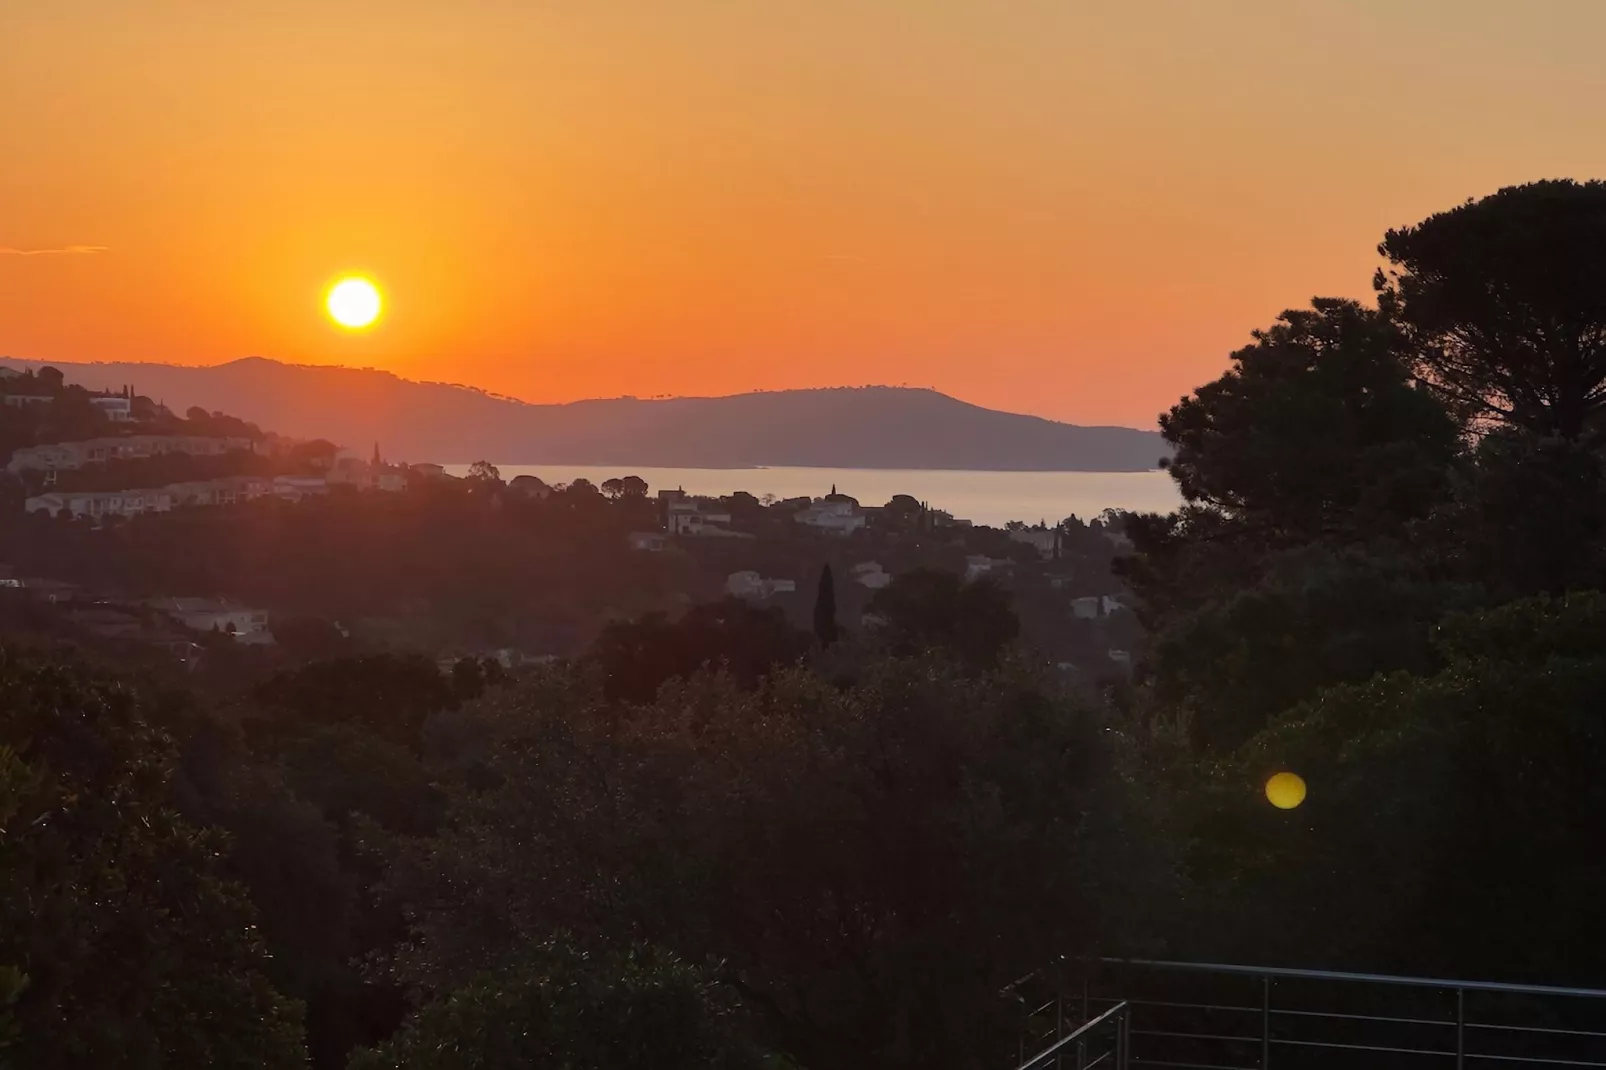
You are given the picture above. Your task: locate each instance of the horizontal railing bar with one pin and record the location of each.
(1365, 1017)
(1536, 1029)
(1190, 1006)
(1532, 1060)
(1194, 1036)
(1078, 1034)
(1360, 1047)
(1186, 1065)
(1371, 978)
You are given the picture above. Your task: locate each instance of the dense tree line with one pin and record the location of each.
(1385, 577)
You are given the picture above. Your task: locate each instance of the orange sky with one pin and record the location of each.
(1068, 208)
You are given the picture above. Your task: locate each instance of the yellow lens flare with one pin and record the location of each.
(353, 302)
(1285, 790)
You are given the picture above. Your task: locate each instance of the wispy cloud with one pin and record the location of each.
(65, 250)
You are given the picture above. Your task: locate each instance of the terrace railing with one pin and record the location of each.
(1206, 1016)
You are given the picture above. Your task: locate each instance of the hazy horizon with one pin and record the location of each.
(1061, 210)
(34, 362)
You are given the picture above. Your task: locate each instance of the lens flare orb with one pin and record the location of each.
(1285, 790)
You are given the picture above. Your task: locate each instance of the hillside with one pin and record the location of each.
(871, 427)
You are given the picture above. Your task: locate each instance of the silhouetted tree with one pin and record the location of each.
(825, 626)
(1505, 301)
(484, 472)
(1314, 430)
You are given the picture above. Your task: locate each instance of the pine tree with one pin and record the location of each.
(825, 628)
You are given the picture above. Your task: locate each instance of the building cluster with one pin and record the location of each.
(346, 469)
(70, 456)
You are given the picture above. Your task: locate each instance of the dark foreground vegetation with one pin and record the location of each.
(723, 841)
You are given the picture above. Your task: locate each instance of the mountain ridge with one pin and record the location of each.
(825, 427)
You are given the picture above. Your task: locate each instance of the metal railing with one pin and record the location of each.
(1101, 1041)
(1205, 1016)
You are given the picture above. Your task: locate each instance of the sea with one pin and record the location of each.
(992, 498)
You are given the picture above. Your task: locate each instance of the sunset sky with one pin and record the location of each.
(1050, 206)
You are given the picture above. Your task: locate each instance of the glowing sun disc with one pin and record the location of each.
(1285, 790)
(353, 302)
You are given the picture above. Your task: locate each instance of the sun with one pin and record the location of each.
(353, 302)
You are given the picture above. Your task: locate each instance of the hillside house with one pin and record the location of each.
(229, 490)
(66, 456)
(101, 503)
(690, 519)
(749, 584)
(295, 488)
(244, 623)
(651, 542)
(1094, 606)
(837, 515)
(870, 574)
(116, 408)
(1086, 608)
(1042, 539)
(979, 565)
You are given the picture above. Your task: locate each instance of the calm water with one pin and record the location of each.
(984, 497)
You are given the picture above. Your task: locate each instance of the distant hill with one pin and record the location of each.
(869, 427)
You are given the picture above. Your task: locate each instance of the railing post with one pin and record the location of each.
(1081, 1054)
(1265, 1023)
(1025, 1019)
(1122, 1039)
(1460, 1028)
(1059, 1021)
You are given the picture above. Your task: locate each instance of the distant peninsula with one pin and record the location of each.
(857, 427)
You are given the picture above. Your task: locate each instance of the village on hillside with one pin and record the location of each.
(117, 463)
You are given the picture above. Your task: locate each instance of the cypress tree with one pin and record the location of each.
(825, 628)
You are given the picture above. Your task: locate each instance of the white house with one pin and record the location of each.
(1043, 540)
(1094, 606)
(651, 542)
(246, 624)
(228, 490)
(295, 488)
(100, 503)
(71, 455)
(688, 519)
(870, 574)
(978, 565)
(1086, 608)
(115, 408)
(749, 584)
(837, 516)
